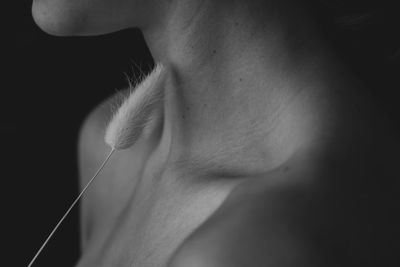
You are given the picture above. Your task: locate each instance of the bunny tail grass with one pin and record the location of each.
(136, 111)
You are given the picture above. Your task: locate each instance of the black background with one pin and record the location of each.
(52, 83)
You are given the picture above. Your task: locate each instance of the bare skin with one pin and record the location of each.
(270, 153)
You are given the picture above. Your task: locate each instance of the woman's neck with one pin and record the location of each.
(251, 83)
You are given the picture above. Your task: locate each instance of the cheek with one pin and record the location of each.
(88, 17)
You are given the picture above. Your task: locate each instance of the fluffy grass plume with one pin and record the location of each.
(136, 111)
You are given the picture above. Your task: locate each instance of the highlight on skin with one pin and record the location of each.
(137, 111)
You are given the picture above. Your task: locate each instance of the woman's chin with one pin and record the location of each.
(89, 17)
(55, 17)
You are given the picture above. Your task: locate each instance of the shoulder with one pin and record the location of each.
(314, 218)
(102, 201)
(92, 150)
(105, 200)
(91, 135)
(258, 225)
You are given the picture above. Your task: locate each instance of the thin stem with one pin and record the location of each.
(71, 207)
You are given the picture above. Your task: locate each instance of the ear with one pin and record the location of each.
(91, 17)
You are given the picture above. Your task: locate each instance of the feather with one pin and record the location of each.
(137, 111)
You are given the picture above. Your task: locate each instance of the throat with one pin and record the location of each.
(238, 84)
(248, 131)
